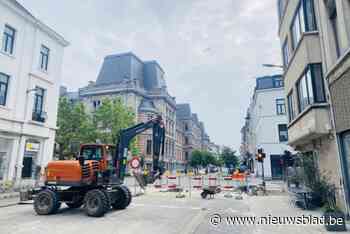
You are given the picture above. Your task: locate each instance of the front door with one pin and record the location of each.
(276, 167)
(27, 167)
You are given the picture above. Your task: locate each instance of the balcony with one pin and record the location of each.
(311, 124)
(39, 116)
(307, 51)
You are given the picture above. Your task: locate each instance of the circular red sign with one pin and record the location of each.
(135, 163)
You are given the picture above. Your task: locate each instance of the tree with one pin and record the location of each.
(196, 159)
(75, 126)
(229, 158)
(110, 118)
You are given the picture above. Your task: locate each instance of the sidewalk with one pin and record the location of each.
(281, 206)
(9, 199)
(278, 204)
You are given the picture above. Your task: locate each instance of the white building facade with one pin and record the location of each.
(268, 126)
(30, 73)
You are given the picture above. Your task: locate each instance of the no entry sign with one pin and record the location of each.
(135, 163)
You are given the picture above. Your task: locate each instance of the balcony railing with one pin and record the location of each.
(39, 116)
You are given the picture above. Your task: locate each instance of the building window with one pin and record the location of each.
(285, 52)
(149, 147)
(186, 141)
(44, 57)
(6, 146)
(186, 156)
(280, 106)
(8, 40)
(310, 87)
(278, 82)
(283, 132)
(291, 114)
(38, 113)
(96, 104)
(333, 17)
(186, 127)
(304, 21)
(4, 81)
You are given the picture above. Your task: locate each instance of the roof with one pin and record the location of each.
(127, 68)
(269, 82)
(37, 22)
(183, 111)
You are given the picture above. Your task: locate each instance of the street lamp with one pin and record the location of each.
(273, 65)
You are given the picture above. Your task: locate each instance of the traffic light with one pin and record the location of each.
(260, 155)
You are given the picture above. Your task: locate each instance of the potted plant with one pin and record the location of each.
(334, 218)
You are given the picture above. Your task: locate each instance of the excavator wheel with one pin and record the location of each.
(129, 195)
(108, 200)
(46, 202)
(95, 203)
(124, 198)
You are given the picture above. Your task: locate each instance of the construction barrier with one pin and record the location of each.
(212, 181)
(227, 183)
(173, 182)
(197, 182)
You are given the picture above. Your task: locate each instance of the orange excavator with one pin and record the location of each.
(95, 179)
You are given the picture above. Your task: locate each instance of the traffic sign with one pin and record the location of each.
(135, 163)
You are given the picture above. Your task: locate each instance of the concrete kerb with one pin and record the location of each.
(8, 195)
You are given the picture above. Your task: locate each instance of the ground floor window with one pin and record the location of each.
(5, 150)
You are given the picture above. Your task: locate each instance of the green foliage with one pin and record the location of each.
(76, 127)
(196, 159)
(229, 158)
(111, 117)
(202, 159)
(318, 182)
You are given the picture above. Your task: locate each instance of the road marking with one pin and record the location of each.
(167, 206)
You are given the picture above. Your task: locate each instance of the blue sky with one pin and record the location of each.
(210, 50)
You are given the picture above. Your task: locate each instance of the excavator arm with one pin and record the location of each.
(126, 135)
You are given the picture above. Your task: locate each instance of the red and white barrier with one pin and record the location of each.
(197, 182)
(172, 182)
(212, 181)
(227, 183)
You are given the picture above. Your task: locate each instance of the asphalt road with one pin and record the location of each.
(155, 212)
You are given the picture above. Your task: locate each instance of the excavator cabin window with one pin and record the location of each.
(91, 152)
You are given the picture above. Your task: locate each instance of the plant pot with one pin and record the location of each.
(334, 221)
